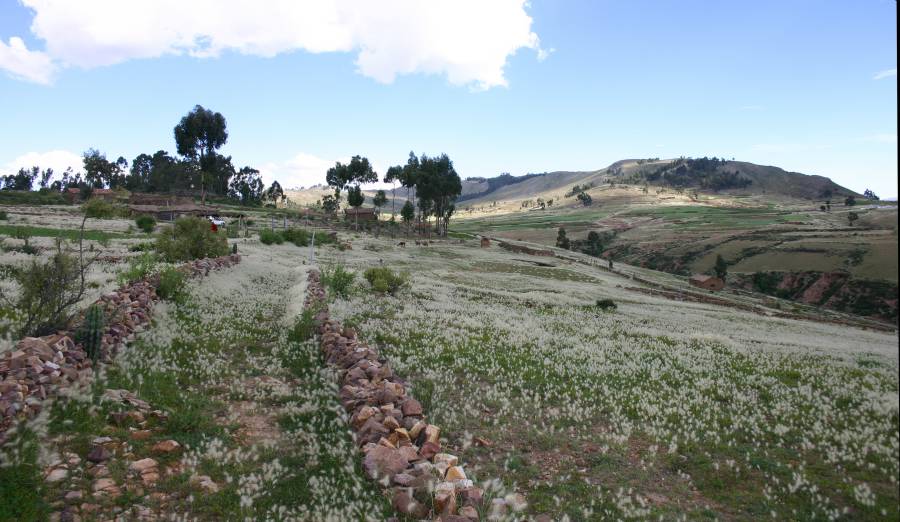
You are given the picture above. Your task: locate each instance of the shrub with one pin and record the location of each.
(268, 237)
(47, 291)
(3, 215)
(606, 304)
(171, 283)
(90, 332)
(145, 223)
(338, 279)
(139, 267)
(141, 247)
(304, 327)
(190, 238)
(384, 280)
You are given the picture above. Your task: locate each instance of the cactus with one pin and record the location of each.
(90, 333)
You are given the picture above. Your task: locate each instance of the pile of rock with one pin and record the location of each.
(39, 366)
(399, 446)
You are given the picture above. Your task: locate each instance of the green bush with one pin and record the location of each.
(139, 267)
(47, 291)
(606, 304)
(171, 283)
(338, 279)
(190, 238)
(384, 280)
(90, 333)
(268, 237)
(3, 215)
(145, 223)
(146, 246)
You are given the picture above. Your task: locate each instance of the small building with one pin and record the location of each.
(104, 194)
(707, 282)
(485, 242)
(73, 194)
(360, 214)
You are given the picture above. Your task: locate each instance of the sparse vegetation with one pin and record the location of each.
(384, 280)
(190, 238)
(338, 279)
(145, 223)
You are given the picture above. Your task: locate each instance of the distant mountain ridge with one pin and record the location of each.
(740, 177)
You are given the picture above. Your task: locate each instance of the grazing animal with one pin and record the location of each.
(402, 244)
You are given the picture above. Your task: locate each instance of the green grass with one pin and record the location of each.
(71, 234)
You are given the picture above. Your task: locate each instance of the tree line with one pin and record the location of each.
(197, 167)
(430, 181)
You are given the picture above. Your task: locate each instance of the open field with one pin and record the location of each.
(658, 407)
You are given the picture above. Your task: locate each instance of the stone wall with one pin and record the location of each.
(39, 366)
(399, 446)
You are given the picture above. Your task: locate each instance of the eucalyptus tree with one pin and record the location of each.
(198, 135)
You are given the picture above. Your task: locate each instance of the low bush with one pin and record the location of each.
(171, 283)
(146, 246)
(3, 215)
(606, 304)
(190, 238)
(139, 267)
(48, 289)
(269, 237)
(384, 280)
(338, 279)
(145, 223)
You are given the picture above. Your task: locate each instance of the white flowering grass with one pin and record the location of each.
(251, 407)
(658, 409)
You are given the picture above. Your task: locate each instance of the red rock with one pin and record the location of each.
(404, 503)
(429, 450)
(411, 407)
(382, 460)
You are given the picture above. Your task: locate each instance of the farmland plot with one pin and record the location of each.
(656, 408)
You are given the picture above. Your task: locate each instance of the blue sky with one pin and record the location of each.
(500, 86)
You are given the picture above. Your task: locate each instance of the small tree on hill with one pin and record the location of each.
(561, 240)
(721, 267)
(850, 201)
(868, 194)
(585, 199)
(408, 212)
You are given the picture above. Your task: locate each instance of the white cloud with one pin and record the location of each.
(887, 73)
(469, 41)
(58, 160)
(303, 170)
(306, 170)
(20, 63)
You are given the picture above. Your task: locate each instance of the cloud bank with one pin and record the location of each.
(469, 41)
(887, 73)
(58, 160)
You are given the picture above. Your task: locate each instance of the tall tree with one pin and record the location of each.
(198, 135)
(275, 193)
(721, 267)
(246, 186)
(100, 172)
(392, 176)
(379, 201)
(408, 212)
